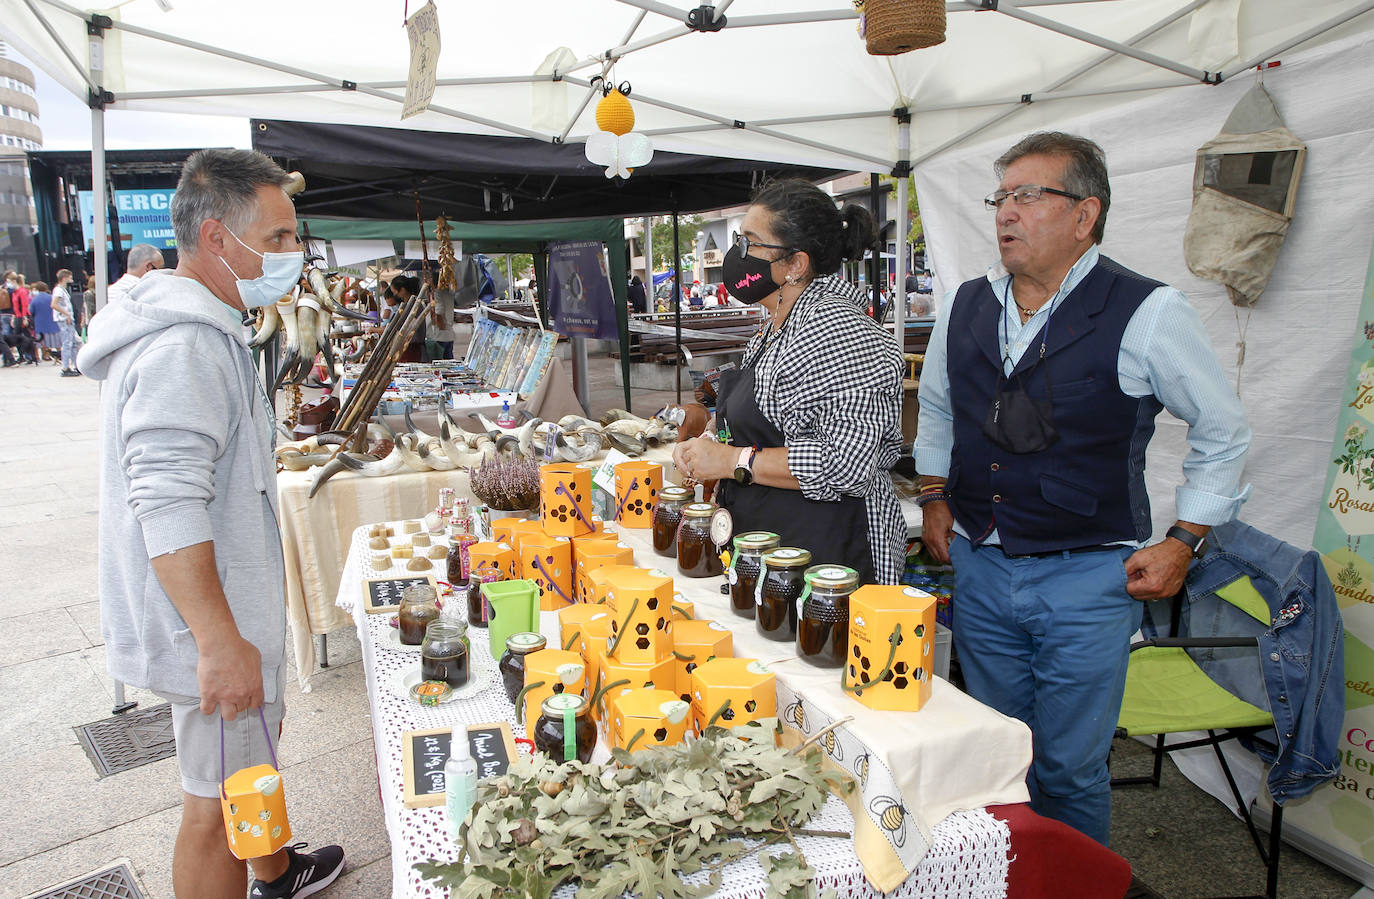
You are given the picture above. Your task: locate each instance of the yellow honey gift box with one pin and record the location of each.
(493, 556)
(565, 500)
(573, 622)
(548, 672)
(617, 677)
(642, 719)
(253, 803)
(682, 609)
(503, 531)
(729, 692)
(639, 601)
(694, 643)
(591, 555)
(548, 562)
(598, 579)
(892, 647)
(636, 488)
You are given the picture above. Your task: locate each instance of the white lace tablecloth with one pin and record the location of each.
(969, 853)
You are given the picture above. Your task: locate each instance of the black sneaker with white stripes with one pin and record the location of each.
(307, 874)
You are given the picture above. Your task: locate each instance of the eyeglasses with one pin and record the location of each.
(1025, 194)
(743, 244)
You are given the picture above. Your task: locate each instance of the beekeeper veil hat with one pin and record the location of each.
(1245, 183)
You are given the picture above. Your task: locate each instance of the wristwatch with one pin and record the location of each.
(744, 468)
(1188, 538)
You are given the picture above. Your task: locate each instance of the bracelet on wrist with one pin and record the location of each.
(936, 496)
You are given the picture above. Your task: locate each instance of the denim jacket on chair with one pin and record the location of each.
(1301, 652)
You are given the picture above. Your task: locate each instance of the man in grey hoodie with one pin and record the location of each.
(191, 571)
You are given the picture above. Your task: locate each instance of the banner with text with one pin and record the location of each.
(581, 302)
(145, 216)
(1342, 812)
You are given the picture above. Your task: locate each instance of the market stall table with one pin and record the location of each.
(315, 533)
(965, 853)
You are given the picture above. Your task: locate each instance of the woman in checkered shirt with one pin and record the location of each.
(808, 428)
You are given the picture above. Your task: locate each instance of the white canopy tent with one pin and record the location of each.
(793, 84)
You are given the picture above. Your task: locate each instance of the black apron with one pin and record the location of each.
(834, 532)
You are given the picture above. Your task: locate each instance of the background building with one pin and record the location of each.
(19, 133)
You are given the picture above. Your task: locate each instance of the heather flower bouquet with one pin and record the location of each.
(507, 484)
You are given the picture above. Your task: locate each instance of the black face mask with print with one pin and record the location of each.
(747, 278)
(1019, 423)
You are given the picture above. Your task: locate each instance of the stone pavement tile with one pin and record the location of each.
(334, 714)
(42, 634)
(35, 493)
(146, 841)
(91, 434)
(70, 803)
(45, 698)
(332, 798)
(65, 508)
(371, 881)
(87, 617)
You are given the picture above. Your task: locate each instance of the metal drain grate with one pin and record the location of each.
(128, 740)
(115, 882)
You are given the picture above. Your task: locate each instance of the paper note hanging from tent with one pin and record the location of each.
(423, 30)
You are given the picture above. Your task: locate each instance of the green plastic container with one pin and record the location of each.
(514, 608)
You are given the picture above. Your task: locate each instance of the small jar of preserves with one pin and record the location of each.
(512, 662)
(479, 609)
(445, 654)
(697, 555)
(667, 516)
(778, 590)
(565, 730)
(419, 606)
(823, 615)
(746, 563)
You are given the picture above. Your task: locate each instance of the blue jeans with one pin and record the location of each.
(1046, 640)
(68, 334)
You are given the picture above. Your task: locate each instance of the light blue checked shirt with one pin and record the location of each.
(1164, 352)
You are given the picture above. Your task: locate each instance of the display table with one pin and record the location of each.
(964, 852)
(315, 533)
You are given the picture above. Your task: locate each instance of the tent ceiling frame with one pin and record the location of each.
(1011, 10)
(66, 51)
(1060, 82)
(1290, 43)
(605, 67)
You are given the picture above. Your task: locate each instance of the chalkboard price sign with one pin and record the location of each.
(383, 594)
(424, 753)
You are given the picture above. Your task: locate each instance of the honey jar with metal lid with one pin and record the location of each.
(778, 590)
(823, 615)
(667, 516)
(697, 555)
(565, 730)
(512, 664)
(746, 564)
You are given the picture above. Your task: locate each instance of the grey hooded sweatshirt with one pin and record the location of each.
(186, 441)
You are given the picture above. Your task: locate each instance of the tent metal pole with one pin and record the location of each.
(1050, 96)
(1099, 41)
(66, 51)
(663, 9)
(625, 49)
(875, 284)
(721, 7)
(903, 186)
(1305, 36)
(100, 261)
(677, 307)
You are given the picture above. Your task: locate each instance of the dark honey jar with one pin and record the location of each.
(419, 606)
(697, 556)
(746, 563)
(667, 516)
(512, 662)
(565, 730)
(445, 653)
(823, 615)
(778, 590)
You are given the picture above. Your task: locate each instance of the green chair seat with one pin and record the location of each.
(1166, 692)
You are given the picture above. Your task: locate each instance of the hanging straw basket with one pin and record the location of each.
(897, 26)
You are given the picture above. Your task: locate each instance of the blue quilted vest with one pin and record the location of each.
(1088, 488)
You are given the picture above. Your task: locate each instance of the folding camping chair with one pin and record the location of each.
(1167, 693)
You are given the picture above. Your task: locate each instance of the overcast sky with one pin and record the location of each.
(66, 123)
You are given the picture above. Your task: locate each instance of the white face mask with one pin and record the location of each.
(280, 272)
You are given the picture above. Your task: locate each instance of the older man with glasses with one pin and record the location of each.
(1040, 389)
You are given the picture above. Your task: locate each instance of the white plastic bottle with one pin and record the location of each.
(460, 779)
